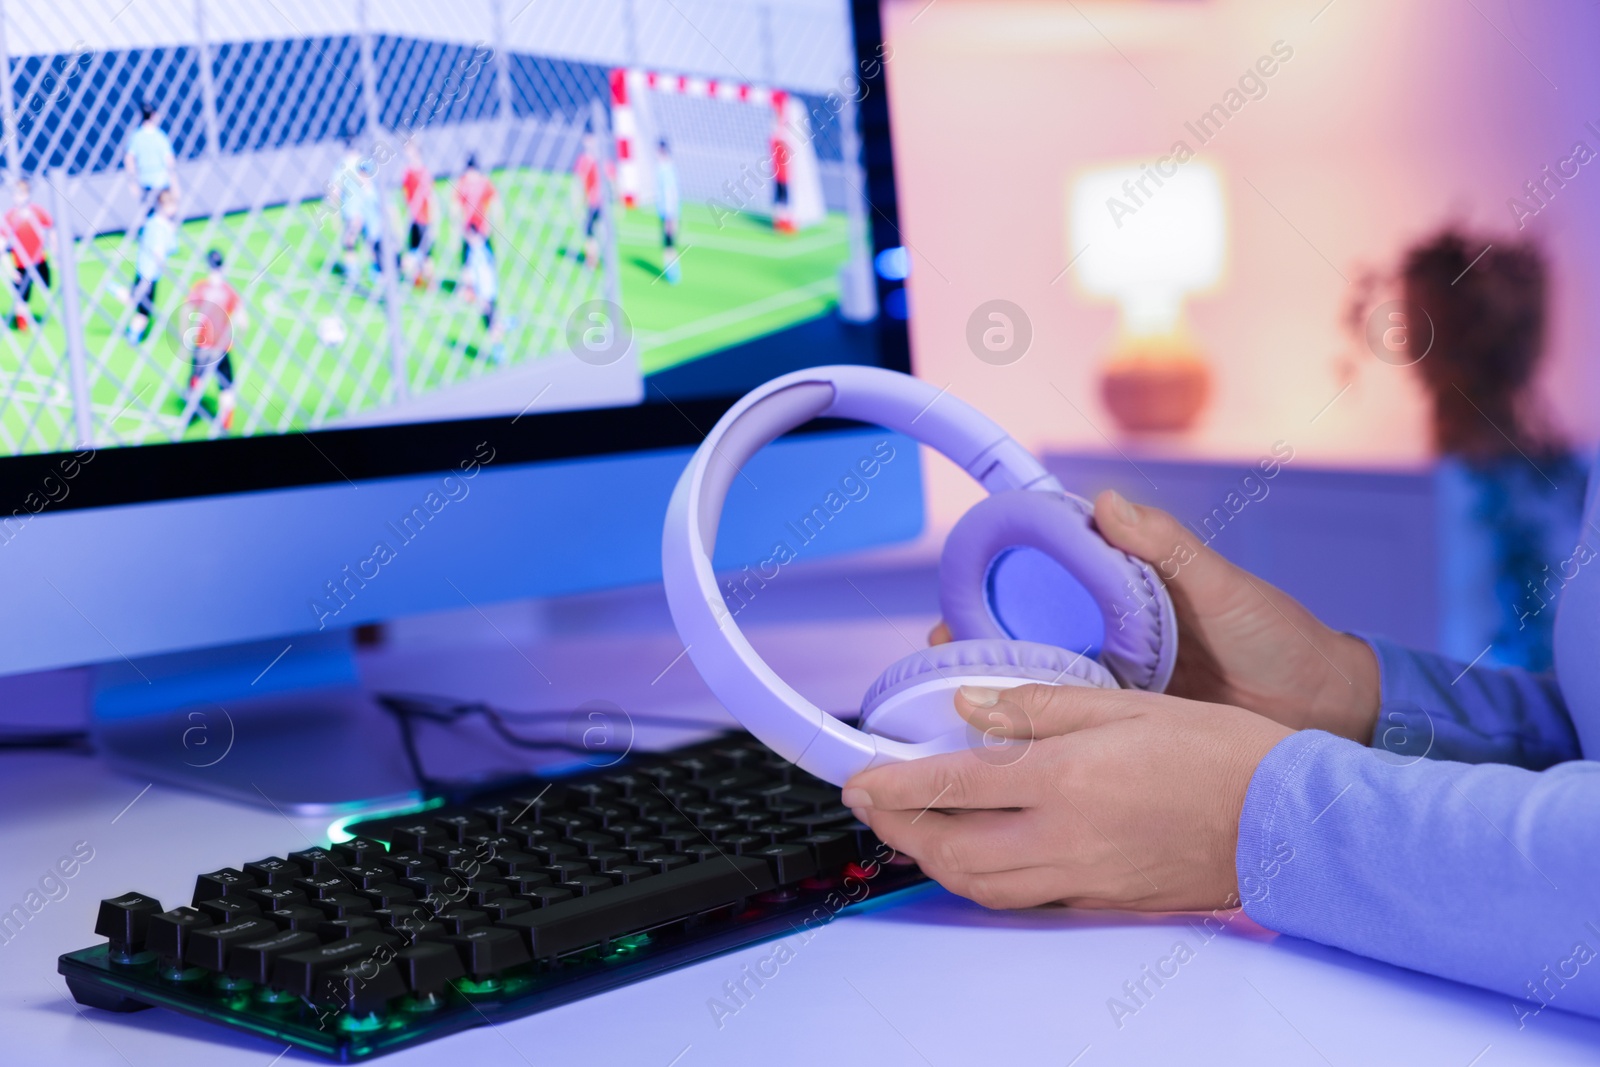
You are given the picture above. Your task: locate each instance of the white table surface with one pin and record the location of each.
(925, 978)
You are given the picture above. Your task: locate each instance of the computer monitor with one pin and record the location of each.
(325, 311)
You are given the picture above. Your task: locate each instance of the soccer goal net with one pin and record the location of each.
(739, 147)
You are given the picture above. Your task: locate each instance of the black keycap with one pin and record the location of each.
(592, 841)
(516, 862)
(739, 844)
(269, 898)
(402, 913)
(832, 850)
(528, 835)
(561, 870)
(642, 850)
(720, 827)
(667, 862)
(497, 816)
(221, 884)
(362, 988)
(778, 832)
(533, 808)
(828, 818)
(460, 920)
(625, 783)
(704, 813)
(866, 841)
(817, 798)
(254, 959)
(227, 911)
(123, 920)
(702, 852)
(489, 951)
(722, 782)
(522, 884)
(322, 885)
(601, 862)
(405, 864)
(315, 861)
(696, 767)
(296, 917)
(572, 924)
(459, 827)
(335, 929)
(208, 948)
(423, 932)
(428, 967)
(387, 894)
(606, 814)
(343, 905)
(584, 884)
(678, 840)
(167, 934)
(364, 851)
(363, 876)
(297, 972)
(489, 846)
(482, 890)
(414, 837)
(628, 833)
(790, 863)
(567, 823)
(501, 907)
(556, 851)
(630, 872)
(546, 895)
(587, 793)
(274, 871)
(453, 855)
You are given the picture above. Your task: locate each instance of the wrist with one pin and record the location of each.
(1353, 690)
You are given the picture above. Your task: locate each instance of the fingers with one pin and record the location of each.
(1028, 712)
(969, 842)
(1181, 559)
(940, 634)
(955, 780)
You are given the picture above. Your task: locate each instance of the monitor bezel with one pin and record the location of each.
(123, 475)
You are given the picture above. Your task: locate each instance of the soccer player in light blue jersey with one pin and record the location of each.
(669, 206)
(151, 164)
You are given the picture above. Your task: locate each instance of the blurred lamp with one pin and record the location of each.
(1147, 237)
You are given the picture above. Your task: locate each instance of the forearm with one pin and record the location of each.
(1435, 707)
(1482, 874)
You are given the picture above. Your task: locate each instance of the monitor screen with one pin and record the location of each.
(230, 230)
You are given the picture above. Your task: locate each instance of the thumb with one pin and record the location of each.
(1027, 712)
(1186, 564)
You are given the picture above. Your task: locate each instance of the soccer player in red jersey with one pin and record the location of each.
(588, 173)
(475, 204)
(417, 186)
(214, 313)
(29, 232)
(782, 218)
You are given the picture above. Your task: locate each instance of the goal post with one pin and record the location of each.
(722, 137)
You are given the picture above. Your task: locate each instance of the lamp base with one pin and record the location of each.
(1155, 387)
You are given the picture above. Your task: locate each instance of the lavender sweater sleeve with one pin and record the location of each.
(1447, 847)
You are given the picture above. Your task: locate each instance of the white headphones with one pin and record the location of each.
(1005, 567)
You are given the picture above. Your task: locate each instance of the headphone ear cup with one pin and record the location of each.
(1029, 565)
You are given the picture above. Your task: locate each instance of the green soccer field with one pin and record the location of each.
(740, 280)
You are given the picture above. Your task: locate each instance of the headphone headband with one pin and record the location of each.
(765, 704)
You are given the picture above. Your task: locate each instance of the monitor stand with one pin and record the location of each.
(283, 724)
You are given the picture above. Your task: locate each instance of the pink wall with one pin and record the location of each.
(1389, 120)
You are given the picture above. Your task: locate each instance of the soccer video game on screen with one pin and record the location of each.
(227, 220)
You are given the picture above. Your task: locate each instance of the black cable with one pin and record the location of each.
(445, 712)
(62, 740)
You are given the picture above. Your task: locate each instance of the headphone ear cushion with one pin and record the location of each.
(1140, 644)
(988, 658)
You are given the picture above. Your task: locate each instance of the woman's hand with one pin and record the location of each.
(1122, 799)
(1242, 641)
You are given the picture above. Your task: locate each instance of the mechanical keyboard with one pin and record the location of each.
(490, 906)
